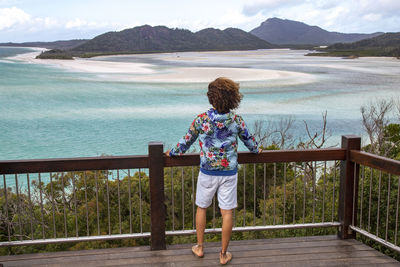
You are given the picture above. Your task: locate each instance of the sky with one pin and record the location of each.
(50, 20)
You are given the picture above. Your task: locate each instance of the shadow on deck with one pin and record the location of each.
(298, 251)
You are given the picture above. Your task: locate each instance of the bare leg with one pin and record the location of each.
(226, 234)
(200, 226)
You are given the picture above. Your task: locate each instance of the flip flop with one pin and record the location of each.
(195, 253)
(227, 256)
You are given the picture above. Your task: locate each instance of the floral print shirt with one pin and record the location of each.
(218, 138)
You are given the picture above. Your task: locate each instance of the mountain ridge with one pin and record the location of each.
(272, 33)
(162, 39)
(289, 32)
(385, 45)
(59, 44)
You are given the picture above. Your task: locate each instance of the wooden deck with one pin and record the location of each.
(298, 251)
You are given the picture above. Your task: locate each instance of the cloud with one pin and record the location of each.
(76, 23)
(372, 17)
(18, 26)
(266, 5)
(324, 4)
(193, 25)
(269, 6)
(8, 2)
(10, 17)
(82, 24)
(343, 16)
(47, 22)
(383, 7)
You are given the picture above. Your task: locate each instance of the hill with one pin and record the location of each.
(231, 39)
(62, 44)
(387, 44)
(289, 32)
(162, 39)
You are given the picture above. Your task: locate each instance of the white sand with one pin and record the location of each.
(203, 74)
(141, 72)
(87, 65)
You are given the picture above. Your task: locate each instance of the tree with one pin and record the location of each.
(375, 120)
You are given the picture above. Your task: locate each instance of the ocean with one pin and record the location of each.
(50, 111)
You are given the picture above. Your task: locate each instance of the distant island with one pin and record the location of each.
(161, 39)
(61, 45)
(290, 33)
(272, 33)
(385, 45)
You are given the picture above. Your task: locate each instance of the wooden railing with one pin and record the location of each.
(155, 163)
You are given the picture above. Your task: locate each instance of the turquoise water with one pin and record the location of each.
(48, 112)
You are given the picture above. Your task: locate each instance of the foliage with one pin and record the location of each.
(82, 197)
(63, 206)
(147, 39)
(112, 202)
(63, 45)
(387, 45)
(288, 33)
(55, 54)
(378, 207)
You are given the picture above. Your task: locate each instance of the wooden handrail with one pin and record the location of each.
(349, 155)
(73, 164)
(269, 156)
(133, 162)
(377, 162)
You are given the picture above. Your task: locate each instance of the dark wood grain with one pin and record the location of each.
(298, 251)
(377, 162)
(131, 162)
(348, 190)
(157, 207)
(73, 164)
(267, 157)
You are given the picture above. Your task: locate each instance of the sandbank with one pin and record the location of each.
(207, 74)
(87, 65)
(149, 73)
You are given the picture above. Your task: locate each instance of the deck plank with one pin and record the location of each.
(298, 251)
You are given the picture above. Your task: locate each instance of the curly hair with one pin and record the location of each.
(223, 94)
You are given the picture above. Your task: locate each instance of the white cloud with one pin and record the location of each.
(258, 6)
(18, 26)
(8, 2)
(343, 16)
(47, 22)
(76, 23)
(19, 22)
(324, 4)
(380, 6)
(192, 25)
(10, 17)
(230, 18)
(233, 18)
(372, 17)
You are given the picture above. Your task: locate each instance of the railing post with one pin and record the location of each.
(157, 208)
(348, 191)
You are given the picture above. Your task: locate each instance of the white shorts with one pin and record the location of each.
(226, 186)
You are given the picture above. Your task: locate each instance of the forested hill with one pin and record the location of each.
(290, 32)
(387, 41)
(387, 44)
(162, 39)
(231, 39)
(62, 44)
